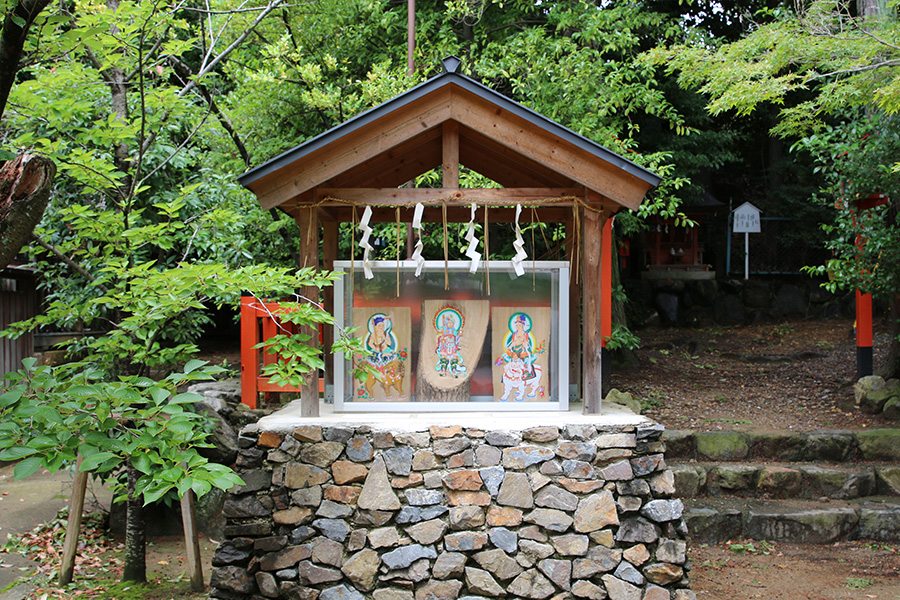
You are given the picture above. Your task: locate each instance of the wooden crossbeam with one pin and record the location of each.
(455, 197)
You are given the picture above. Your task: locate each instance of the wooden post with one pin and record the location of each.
(191, 541)
(330, 251)
(591, 347)
(572, 244)
(450, 154)
(73, 527)
(308, 222)
(249, 353)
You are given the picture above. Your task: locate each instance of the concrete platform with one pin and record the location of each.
(612, 416)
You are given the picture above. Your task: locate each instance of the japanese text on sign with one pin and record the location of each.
(746, 219)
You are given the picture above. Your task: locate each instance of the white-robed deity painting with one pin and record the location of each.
(520, 337)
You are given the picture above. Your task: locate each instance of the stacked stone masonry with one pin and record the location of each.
(350, 513)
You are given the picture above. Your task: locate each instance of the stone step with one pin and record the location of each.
(787, 480)
(715, 520)
(783, 446)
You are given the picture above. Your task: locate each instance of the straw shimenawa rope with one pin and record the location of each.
(575, 201)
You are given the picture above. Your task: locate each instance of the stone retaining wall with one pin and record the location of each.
(346, 512)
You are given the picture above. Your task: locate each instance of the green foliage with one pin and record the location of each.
(621, 337)
(49, 416)
(856, 159)
(858, 583)
(763, 547)
(810, 64)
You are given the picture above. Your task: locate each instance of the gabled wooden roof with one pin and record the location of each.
(404, 137)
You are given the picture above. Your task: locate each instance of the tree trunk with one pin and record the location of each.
(24, 193)
(135, 567)
(890, 364)
(12, 41)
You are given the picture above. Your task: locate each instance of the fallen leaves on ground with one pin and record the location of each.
(98, 565)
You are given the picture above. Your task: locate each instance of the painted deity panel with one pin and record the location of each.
(451, 343)
(386, 333)
(520, 344)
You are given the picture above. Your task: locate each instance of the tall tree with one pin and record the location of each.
(817, 65)
(25, 183)
(115, 95)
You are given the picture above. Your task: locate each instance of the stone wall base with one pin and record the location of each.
(348, 512)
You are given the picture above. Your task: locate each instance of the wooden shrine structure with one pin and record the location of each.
(448, 121)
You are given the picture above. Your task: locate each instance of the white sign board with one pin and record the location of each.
(746, 219)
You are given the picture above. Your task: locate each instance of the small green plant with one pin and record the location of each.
(720, 399)
(825, 345)
(729, 421)
(881, 547)
(714, 564)
(782, 330)
(664, 352)
(653, 401)
(762, 547)
(622, 337)
(858, 583)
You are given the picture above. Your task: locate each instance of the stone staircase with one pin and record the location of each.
(816, 487)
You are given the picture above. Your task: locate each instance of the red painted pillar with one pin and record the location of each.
(864, 366)
(606, 267)
(864, 360)
(249, 353)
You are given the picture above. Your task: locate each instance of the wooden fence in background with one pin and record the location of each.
(18, 301)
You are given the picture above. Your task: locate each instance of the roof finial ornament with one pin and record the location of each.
(451, 64)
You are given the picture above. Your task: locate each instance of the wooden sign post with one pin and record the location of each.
(746, 221)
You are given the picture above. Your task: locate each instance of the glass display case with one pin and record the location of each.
(452, 340)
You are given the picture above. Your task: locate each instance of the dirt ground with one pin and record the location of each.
(795, 375)
(747, 570)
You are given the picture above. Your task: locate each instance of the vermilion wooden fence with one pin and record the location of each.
(258, 323)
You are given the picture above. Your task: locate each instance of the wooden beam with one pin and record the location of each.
(393, 197)
(307, 221)
(606, 272)
(350, 151)
(398, 165)
(192, 541)
(73, 527)
(546, 149)
(450, 154)
(591, 344)
(504, 165)
(572, 255)
(329, 252)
